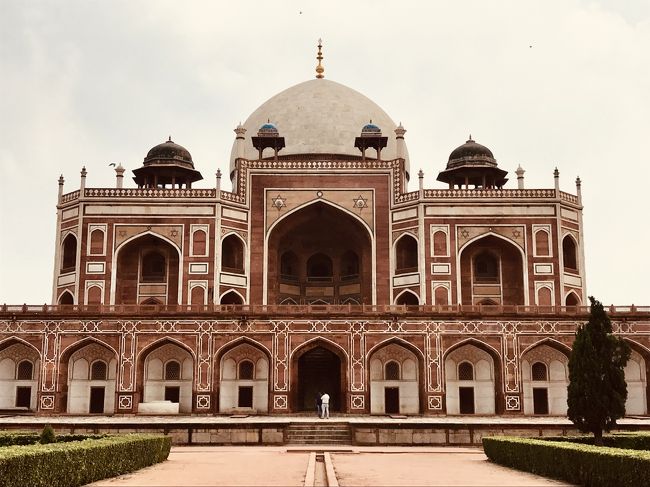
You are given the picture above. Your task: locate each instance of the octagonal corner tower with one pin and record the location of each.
(319, 116)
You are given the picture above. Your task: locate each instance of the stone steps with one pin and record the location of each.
(318, 434)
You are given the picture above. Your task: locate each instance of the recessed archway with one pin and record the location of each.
(492, 269)
(319, 366)
(147, 267)
(319, 253)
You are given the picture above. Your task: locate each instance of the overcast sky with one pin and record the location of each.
(544, 83)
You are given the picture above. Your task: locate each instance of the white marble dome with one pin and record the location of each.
(319, 117)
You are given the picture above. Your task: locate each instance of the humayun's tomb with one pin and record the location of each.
(320, 271)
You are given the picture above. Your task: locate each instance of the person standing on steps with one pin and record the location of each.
(318, 403)
(325, 406)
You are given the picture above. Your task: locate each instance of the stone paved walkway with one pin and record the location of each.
(353, 466)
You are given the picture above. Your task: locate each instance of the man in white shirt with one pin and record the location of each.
(325, 406)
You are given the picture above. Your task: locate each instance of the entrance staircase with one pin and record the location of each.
(318, 433)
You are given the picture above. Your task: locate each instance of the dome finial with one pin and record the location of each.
(169, 139)
(320, 69)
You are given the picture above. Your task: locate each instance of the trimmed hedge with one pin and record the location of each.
(78, 463)
(627, 440)
(575, 463)
(10, 438)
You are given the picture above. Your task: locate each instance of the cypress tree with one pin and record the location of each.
(597, 390)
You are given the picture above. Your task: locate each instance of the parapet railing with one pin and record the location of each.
(428, 194)
(16, 311)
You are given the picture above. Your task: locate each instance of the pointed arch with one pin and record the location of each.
(406, 295)
(66, 298)
(300, 386)
(570, 252)
(396, 341)
(67, 352)
(551, 342)
(572, 299)
(406, 252)
(231, 294)
(522, 254)
(123, 245)
(224, 349)
(14, 340)
(233, 253)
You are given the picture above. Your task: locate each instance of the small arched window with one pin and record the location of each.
(172, 370)
(465, 371)
(199, 239)
(154, 267)
(25, 370)
(391, 370)
(349, 265)
(246, 370)
(486, 267)
(539, 371)
(232, 254)
(289, 266)
(569, 253)
(542, 246)
(69, 258)
(319, 267)
(439, 243)
(98, 370)
(406, 255)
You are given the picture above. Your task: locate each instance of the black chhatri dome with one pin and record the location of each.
(470, 152)
(169, 151)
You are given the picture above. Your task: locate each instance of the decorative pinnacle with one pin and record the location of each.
(320, 69)
(218, 174)
(520, 171)
(240, 131)
(169, 139)
(470, 138)
(556, 173)
(578, 181)
(420, 173)
(61, 180)
(400, 130)
(83, 172)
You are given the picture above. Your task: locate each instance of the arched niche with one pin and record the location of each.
(406, 254)
(163, 390)
(69, 253)
(232, 297)
(147, 268)
(570, 253)
(394, 380)
(544, 379)
(244, 379)
(18, 387)
(88, 391)
(478, 395)
(637, 384)
(232, 254)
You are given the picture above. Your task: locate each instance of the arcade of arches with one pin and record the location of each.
(322, 255)
(166, 378)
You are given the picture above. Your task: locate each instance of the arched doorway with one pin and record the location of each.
(319, 254)
(492, 269)
(319, 369)
(394, 381)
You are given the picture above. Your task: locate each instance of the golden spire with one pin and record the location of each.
(320, 69)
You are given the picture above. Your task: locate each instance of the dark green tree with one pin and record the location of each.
(47, 435)
(597, 389)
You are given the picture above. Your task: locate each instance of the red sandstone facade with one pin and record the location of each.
(318, 272)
